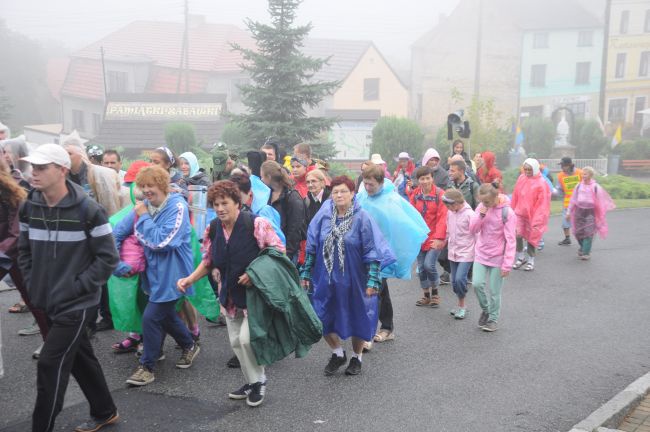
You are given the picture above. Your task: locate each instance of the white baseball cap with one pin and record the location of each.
(49, 153)
(403, 155)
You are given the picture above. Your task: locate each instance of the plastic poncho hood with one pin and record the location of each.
(534, 164)
(192, 161)
(430, 153)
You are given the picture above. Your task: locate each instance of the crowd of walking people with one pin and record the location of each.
(292, 254)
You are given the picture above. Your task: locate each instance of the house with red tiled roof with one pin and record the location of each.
(144, 58)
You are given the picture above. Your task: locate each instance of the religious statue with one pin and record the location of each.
(562, 133)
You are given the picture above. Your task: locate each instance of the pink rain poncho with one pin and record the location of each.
(587, 209)
(531, 202)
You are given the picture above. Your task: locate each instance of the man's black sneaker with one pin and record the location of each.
(94, 424)
(233, 363)
(444, 279)
(334, 364)
(354, 368)
(565, 242)
(104, 325)
(241, 393)
(256, 395)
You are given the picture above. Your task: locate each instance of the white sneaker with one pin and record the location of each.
(36, 354)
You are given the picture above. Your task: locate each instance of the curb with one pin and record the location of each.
(614, 411)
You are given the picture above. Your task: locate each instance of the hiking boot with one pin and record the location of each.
(435, 301)
(483, 319)
(490, 326)
(31, 330)
(354, 368)
(233, 363)
(565, 242)
(334, 364)
(241, 393)
(424, 301)
(94, 424)
(256, 395)
(141, 377)
(444, 278)
(188, 357)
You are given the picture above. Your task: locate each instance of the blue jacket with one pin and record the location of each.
(166, 241)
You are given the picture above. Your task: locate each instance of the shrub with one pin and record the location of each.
(180, 137)
(620, 186)
(392, 135)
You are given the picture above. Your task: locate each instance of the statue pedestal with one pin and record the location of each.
(563, 151)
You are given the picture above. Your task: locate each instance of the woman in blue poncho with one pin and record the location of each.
(345, 254)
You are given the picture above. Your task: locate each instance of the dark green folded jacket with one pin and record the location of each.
(280, 318)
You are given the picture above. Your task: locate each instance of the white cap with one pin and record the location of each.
(3, 127)
(49, 153)
(403, 155)
(376, 159)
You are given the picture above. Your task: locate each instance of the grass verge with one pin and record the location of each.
(556, 206)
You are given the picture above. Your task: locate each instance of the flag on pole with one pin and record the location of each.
(618, 137)
(519, 137)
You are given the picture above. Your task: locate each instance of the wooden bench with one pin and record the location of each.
(635, 165)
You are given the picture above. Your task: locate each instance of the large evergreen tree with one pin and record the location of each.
(282, 86)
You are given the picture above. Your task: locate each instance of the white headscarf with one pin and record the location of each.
(534, 164)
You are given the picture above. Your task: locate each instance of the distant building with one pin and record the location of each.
(447, 60)
(143, 59)
(561, 62)
(628, 63)
(529, 56)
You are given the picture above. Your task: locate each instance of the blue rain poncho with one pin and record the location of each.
(339, 298)
(400, 223)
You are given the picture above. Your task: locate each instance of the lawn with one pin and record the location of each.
(556, 206)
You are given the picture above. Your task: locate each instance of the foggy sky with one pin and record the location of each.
(392, 24)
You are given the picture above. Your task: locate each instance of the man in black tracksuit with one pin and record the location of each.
(66, 252)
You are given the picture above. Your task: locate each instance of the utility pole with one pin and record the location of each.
(184, 55)
(479, 37)
(603, 66)
(101, 50)
(187, 47)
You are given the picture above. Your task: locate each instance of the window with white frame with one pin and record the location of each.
(583, 69)
(540, 40)
(78, 120)
(624, 25)
(644, 62)
(371, 89)
(620, 65)
(585, 38)
(617, 110)
(118, 82)
(538, 75)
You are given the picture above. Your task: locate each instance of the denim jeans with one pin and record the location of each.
(158, 319)
(427, 271)
(459, 271)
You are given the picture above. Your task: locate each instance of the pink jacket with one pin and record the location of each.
(531, 201)
(496, 240)
(460, 241)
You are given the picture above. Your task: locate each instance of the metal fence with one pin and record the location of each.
(600, 165)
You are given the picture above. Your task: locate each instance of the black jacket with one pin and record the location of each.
(66, 252)
(199, 179)
(293, 218)
(313, 206)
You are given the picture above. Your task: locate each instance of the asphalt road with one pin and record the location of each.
(572, 335)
